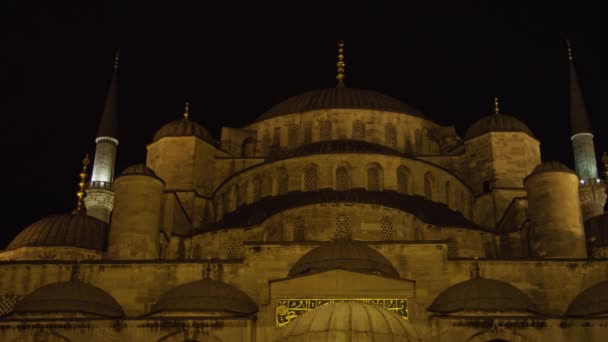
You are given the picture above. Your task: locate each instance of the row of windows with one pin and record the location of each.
(343, 229)
(325, 133)
(262, 186)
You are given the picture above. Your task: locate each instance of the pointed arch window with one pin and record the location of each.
(374, 178)
(402, 180)
(342, 178)
(358, 130)
(343, 228)
(293, 136)
(283, 183)
(311, 178)
(428, 185)
(390, 134)
(298, 229)
(325, 130)
(387, 230)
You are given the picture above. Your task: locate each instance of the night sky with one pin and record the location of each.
(233, 62)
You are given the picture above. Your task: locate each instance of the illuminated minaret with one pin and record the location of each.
(591, 191)
(100, 197)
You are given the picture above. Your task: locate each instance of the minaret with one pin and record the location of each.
(591, 192)
(100, 197)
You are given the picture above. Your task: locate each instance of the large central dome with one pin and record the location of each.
(339, 97)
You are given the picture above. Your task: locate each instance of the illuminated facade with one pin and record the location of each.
(339, 214)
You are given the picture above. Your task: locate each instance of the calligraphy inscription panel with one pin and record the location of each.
(290, 309)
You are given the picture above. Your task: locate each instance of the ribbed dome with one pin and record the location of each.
(496, 123)
(206, 296)
(551, 166)
(184, 128)
(68, 230)
(346, 255)
(590, 302)
(71, 296)
(348, 321)
(479, 294)
(339, 97)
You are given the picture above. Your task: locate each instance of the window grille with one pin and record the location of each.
(390, 135)
(293, 136)
(373, 179)
(402, 180)
(358, 130)
(196, 252)
(452, 248)
(343, 228)
(325, 130)
(299, 226)
(342, 178)
(7, 303)
(311, 179)
(235, 249)
(387, 231)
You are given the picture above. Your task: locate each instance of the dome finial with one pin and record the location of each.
(476, 269)
(496, 108)
(116, 58)
(187, 110)
(207, 270)
(340, 64)
(82, 184)
(605, 161)
(75, 276)
(569, 50)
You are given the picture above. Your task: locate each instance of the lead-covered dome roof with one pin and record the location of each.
(348, 321)
(205, 295)
(72, 296)
(338, 97)
(497, 123)
(346, 255)
(592, 301)
(551, 166)
(184, 128)
(66, 230)
(480, 294)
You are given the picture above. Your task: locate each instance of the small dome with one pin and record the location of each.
(338, 97)
(67, 230)
(336, 146)
(348, 321)
(184, 128)
(206, 296)
(590, 302)
(346, 255)
(551, 166)
(71, 296)
(138, 170)
(479, 294)
(496, 123)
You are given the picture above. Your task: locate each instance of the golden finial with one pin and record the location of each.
(75, 276)
(82, 184)
(569, 50)
(116, 59)
(605, 161)
(187, 110)
(496, 108)
(476, 269)
(340, 63)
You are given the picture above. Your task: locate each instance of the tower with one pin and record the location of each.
(591, 191)
(100, 197)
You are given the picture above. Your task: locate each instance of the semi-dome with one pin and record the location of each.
(184, 128)
(592, 301)
(348, 321)
(551, 166)
(66, 230)
(346, 255)
(205, 295)
(339, 97)
(480, 294)
(496, 123)
(72, 296)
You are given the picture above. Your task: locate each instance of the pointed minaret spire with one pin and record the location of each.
(82, 185)
(187, 110)
(100, 198)
(340, 64)
(475, 274)
(579, 119)
(496, 108)
(75, 276)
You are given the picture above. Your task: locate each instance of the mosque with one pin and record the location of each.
(339, 214)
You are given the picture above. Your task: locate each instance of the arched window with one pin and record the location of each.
(283, 183)
(343, 228)
(235, 249)
(418, 138)
(325, 132)
(248, 148)
(242, 195)
(390, 134)
(298, 229)
(448, 194)
(428, 185)
(293, 136)
(387, 231)
(358, 130)
(236, 194)
(257, 188)
(196, 252)
(452, 248)
(266, 142)
(402, 180)
(374, 178)
(342, 178)
(311, 178)
(267, 186)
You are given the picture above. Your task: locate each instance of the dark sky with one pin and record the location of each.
(447, 59)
